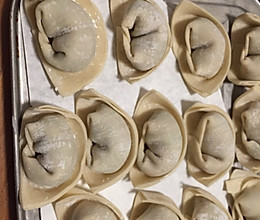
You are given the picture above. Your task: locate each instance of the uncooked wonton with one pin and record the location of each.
(201, 47)
(112, 138)
(143, 37)
(211, 142)
(52, 145)
(244, 187)
(246, 117)
(245, 34)
(71, 41)
(151, 205)
(162, 144)
(79, 204)
(199, 204)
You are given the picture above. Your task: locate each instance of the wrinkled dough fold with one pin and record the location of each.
(92, 210)
(246, 119)
(250, 56)
(244, 187)
(50, 155)
(152, 205)
(245, 34)
(161, 144)
(156, 211)
(52, 146)
(216, 143)
(248, 202)
(250, 132)
(201, 46)
(111, 139)
(67, 35)
(205, 209)
(80, 204)
(199, 204)
(145, 35)
(205, 47)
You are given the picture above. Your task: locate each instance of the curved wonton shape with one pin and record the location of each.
(143, 37)
(53, 143)
(245, 34)
(250, 134)
(246, 117)
(79, 204)
(149, 205)
(211, 142)
(71, 40)
(163, 139)
(201, 46)
(244, 187)
(111, 139)
(200, 204)
(69, 45)
(113, 136)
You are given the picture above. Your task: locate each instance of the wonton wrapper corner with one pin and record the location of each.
(89, 106)
(200, 204)
(246, 117)
(163, 140)
(154, 205)
(81, 204)
(211, 142)
(53, 147)
(201, 46)
(245, 33)
(135, 34)
(244, 187)
(81, 21)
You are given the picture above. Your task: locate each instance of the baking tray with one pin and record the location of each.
(25, 94)
(20, 101)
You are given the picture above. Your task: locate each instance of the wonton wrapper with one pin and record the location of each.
(87, 102)
(244, 187)
(154, 29)
(245, 34)
(243, 145)
(154, 205)
(211, 142)
(77, 203)
(150, 103)
(196, 57)
(200, 204)
(65, 82)
(40, 181)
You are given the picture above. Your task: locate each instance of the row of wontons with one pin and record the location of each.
(102, 143)
(72, 43)
(148, 205)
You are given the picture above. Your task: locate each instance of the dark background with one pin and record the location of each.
(7, 193)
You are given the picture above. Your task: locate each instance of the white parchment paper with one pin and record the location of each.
(165, 79)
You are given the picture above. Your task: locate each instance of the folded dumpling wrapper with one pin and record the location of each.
(151, 205)
(163, 139)
(244, 187)
(80, 204)
(246, 117)
(201, 47)
(211, 142)
(245, 35)
(53, 144)
(142, 37)
(113, 138)
(200, 204)
(71, 41)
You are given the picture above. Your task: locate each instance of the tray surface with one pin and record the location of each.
(31, 87)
